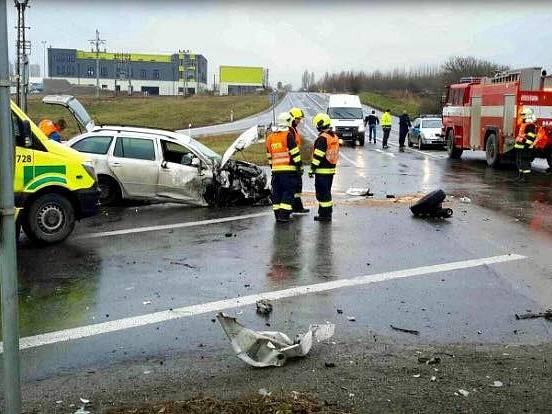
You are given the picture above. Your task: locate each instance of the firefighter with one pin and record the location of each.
(53, 129)
(298, 116)
(284, 158)
(324, 160)
(524, 143)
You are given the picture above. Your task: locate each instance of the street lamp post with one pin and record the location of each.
(44, 58)
(8, 267)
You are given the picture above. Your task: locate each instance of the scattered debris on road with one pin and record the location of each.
(146, 302)
(351, 318)
(431, 205)
(547, 314)
(340, 311)
(362, 192)
(428, 360)
(264, 392)
(329, 364)
(410, 331)
(497, 384)
(463, 392)
(264, 307)
(270, 348)
(465, 200)
(390, 196)
(417, 375)
(433, 378)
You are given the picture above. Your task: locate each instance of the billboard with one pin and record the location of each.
(241, 75)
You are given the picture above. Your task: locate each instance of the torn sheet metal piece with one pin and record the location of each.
(353, 191)
(270, 348)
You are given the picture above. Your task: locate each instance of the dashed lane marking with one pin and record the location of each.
(221, 305)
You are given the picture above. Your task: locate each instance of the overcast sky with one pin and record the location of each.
(289, 37)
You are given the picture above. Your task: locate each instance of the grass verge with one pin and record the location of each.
(255, 154)
(167, 112)
(397, 101)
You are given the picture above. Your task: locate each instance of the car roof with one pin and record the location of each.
(166, 133)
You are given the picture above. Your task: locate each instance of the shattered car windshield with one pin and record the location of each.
(345, 113)
(206, 151)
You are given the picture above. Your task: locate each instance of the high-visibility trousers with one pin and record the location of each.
(284, 185)
(323, 187)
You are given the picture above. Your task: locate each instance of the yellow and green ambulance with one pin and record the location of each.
(54, 185)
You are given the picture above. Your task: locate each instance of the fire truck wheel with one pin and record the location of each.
(453, 152)
(492, 153)
(549, 159)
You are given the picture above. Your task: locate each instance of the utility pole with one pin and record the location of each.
(22, 59)
(96, 43)
(8, 266)
(44, 58)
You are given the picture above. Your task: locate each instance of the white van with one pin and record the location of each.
(347, 117)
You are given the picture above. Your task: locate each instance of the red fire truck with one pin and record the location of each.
(483, 113)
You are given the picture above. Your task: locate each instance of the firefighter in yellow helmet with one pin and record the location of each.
(324, 160)
(298, 115)
(524, 142)
(284, 158)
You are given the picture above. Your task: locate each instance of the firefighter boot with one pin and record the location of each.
(283, 216)
(298, 207)
(323, 218)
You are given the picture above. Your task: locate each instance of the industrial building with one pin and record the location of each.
(240, 80)
(154, 74)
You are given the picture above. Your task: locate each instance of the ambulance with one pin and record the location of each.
(54, 185)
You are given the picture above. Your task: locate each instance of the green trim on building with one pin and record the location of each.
(134, 57)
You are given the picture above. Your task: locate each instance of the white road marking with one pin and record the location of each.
(315, 102)
(170, 226)
(385, 152)
(427, 154)
(217, 306)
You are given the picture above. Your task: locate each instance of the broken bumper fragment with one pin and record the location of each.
(270, 348)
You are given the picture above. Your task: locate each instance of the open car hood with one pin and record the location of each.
(74, 106)
(247, 138)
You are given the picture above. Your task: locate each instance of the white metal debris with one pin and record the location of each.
(353, 191)
(465, 200)
(463, 392)
(270, 348)
(497, 384)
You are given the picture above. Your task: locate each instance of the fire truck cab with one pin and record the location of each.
(484, 113)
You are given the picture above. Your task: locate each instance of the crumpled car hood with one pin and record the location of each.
(245, 139)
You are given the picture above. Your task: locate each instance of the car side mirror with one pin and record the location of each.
(164, 165)
(196, 162)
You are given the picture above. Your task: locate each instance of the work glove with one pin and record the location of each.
(311, 173)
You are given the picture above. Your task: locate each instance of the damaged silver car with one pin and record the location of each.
(161, 165)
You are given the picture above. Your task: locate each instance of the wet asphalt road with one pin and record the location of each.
(90, 280)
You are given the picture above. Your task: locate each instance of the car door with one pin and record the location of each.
(135, 163)
(415, 131)
(178, 178)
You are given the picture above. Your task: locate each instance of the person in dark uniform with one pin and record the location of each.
(284, 158)
(324, 160)
(404, 126)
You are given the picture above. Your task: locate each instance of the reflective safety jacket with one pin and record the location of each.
(325, 154)
(282, 152)
(526, 137)
(47, 127)
(386, 120)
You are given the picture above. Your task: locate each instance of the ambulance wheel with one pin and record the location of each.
(452, 150)
(491, 151)
(50, 219)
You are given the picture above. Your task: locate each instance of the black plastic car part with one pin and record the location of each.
(431, 205)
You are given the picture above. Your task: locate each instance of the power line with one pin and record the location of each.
(96, 43)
